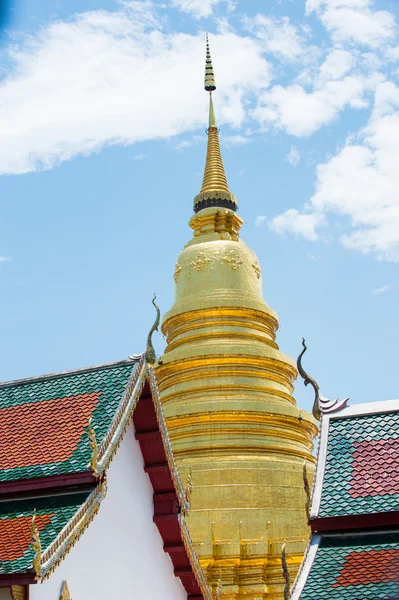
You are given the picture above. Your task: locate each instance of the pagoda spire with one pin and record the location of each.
(215, 190)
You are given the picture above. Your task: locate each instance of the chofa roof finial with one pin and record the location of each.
(150, 354)
(321, 404)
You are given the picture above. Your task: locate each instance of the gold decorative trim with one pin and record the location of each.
(218, 220)
(65, 593)
(233, 259)
(230, 258)
(228, 390)
(36, 546)
(93, 447)
(221, 334)
(18, 592)
(222, 311)
(256, 268)
(226, 320)
(177, 272)
(200, 262)
(71, 533)
(221, 360)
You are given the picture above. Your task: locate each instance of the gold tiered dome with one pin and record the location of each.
(227, 395)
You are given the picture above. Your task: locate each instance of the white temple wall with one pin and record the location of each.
(121, 553)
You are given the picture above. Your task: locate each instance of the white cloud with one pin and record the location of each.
(337, 64)
(360, 183)
(260, 220)
(139, 156)
(293, 156)
(278, 35)
(5, 259)
(301, 113)
(108, 77)
(354, 21)
(197, 8)
(234, 140)
(381, 290)
(297, 223)
(183, 145)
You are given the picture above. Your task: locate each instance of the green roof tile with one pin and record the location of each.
(53, 513)
(355, 567)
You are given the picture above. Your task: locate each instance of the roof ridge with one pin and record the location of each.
(367, 409)
(49, 376)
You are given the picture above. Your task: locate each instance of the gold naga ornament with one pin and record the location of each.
(226, 391)
(65, 593)
(36, 547)
(93, 447)
(286, 573)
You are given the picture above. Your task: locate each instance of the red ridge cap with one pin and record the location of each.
(355, 521)
(8, 579)
(43, 483)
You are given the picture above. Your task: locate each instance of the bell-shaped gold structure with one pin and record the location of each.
(227, 395)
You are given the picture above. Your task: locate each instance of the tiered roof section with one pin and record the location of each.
(354, 514)
(58, 435)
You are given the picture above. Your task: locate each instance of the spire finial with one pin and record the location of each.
(150, 354)
(215, 190)
(209, 82)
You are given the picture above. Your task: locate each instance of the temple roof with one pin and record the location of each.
(44, 420)
(59, 433)
(358, 566)
(354, 549)
(53, 513)
(358, 468)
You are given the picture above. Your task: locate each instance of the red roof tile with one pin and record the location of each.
(375, 470)
(43, 432)
(373, 566)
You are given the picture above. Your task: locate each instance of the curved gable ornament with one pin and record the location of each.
(321, 404)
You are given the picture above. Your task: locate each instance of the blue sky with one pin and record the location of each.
(102, 129)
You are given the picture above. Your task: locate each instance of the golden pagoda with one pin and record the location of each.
(227, 391)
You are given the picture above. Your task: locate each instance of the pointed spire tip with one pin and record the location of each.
(209, 82)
